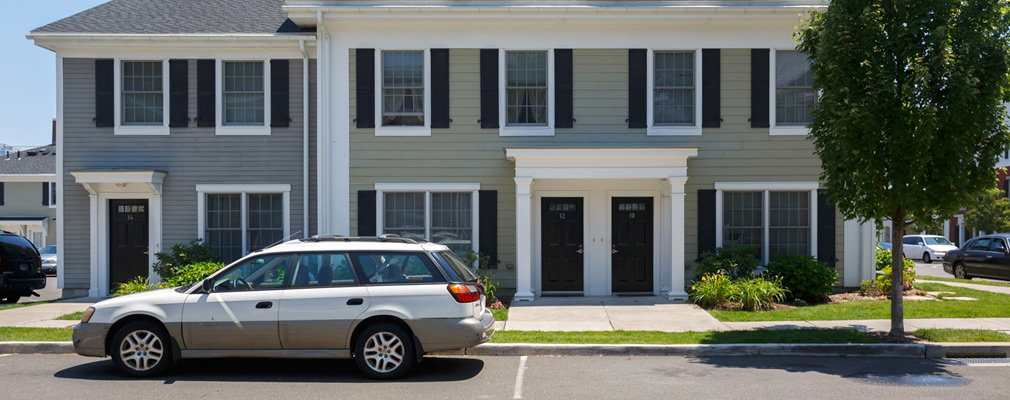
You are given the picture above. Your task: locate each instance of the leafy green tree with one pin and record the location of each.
(910, 117)
(991, 214)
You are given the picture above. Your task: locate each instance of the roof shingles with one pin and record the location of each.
(36, 161)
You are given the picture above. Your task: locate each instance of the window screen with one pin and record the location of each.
(243, 93)
(742, 218)
(266, 220)
(404, 214)
(673, 92)
(224, 226)
(789, 223)
(143, 97)
(526, 87)
(794, 92)
(452, 221)
(402, 88)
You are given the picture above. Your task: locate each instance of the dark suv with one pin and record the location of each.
(20, 268)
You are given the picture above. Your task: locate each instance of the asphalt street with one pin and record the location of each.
(72, 377)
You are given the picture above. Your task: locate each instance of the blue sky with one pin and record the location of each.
(28, 72)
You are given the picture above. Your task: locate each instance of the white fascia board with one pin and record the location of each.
(243, 188)
(119, 176)
(799, 185)
(513, 154)
(27, 177)
(427, 187)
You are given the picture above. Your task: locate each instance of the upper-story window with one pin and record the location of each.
(526, 88)
(244, 96)
(402, 88)
(794, 92)
(674, 88)
(143, 93)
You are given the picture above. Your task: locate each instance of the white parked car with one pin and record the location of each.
(383, 301)
(926, 247)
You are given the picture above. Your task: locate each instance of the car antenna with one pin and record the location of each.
(282, 240)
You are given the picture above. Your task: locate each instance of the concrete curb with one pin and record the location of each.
(882, 350)
(37, 348)
(968, 350)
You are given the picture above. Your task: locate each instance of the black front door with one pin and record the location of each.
(561, 267)
(127, 240)
(631, 241)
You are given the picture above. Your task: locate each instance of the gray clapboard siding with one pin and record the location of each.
(190, 156)
(24, 199)
(465, 153)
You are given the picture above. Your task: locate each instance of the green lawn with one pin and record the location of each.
(72, 317)
(990, 305)
(35, 334)
(976, 282)
(962, 335)
(711, 337)
(500, 315)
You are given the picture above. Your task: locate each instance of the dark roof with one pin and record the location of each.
(177, 16)
(558, 3)
(39, 160)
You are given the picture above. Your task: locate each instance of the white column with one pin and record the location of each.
(677, 196)
(524, 239)
(154, 236)
(93, 290)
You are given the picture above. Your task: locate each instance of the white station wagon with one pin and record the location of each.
(385, 301)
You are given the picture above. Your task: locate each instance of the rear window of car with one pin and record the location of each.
(17, 246)
(395, 267)
(455, 268)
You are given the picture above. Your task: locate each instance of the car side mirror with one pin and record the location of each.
(919, 243)
(207, 285)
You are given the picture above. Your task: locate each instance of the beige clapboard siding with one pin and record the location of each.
(190, 156)
(24, 199)
(465, 153)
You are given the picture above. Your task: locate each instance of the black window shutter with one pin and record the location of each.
(637, 90)
(488, 220)
(45, 193)
(104, 93)
(206, 93)
(759, 92)
(825, 228)
(1, 193)
(440, 88)
(366, 213)
(279, 105)
(178, 93)
(365, 72)
(706, 220)
(489, 88)
(563, 89)
(710, 87)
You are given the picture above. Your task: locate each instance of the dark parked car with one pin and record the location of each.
(984, 257)
(20, 268)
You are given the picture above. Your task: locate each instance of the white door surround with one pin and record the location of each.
(103, 186)
(598, 175)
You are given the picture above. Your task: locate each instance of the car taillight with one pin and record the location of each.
(465, 293)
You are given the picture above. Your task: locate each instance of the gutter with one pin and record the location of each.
(305, 138)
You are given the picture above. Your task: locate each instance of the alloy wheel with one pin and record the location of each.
(141, 350)
(384, 352)
(960, 273)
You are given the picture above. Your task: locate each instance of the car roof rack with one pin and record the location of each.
(386, 238)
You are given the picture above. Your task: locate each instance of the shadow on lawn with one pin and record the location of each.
(440, 369)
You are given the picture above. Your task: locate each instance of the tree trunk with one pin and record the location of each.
(897, 281)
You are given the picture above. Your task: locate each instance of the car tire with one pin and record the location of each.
(384, 351)
(926, 259)
(10, 299)
(137, 344)
(960, 272)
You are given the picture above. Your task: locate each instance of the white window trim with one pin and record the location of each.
(381, 130)
(766, 188)
(201, 204)
(428, 189)
(672, 130)
(504, 129)
(52, 195)
(240, 130)
(139, 130)
(774, 129)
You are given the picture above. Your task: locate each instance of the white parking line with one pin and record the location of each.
(518, 394)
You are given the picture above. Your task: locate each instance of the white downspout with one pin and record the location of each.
(305, 138)
(322, 126)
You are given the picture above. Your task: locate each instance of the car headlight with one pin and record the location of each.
(87, 315)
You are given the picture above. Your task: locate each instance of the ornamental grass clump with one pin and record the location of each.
(748, 293)
(712, 290)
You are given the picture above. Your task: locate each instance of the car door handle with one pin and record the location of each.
(264, 304)
(355, 302)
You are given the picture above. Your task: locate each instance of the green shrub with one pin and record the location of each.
(806, 278)
(711, 290)
(884, 281)
(884, 260)
(737, 261)
(137, 285)
(191, 273)
(196, 251)
(871, 289)
(486, 273)
(758, 293)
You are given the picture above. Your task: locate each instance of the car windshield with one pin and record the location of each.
(51, 249)
(458, 265)
(938, 240)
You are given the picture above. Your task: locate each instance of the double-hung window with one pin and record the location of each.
(794, 94)
(444, 217)
(141, 103)
(402, 88)
(526, 107)
(674, 100)
(244, 97)
(234, 222)
(780, 221)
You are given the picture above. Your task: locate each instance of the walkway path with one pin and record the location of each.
(44, 315)
(985, 288)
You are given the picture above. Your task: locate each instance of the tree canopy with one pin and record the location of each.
(991, 213)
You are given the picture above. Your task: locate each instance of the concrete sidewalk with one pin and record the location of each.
(44, 315)
(658, 314)
(984, 288)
